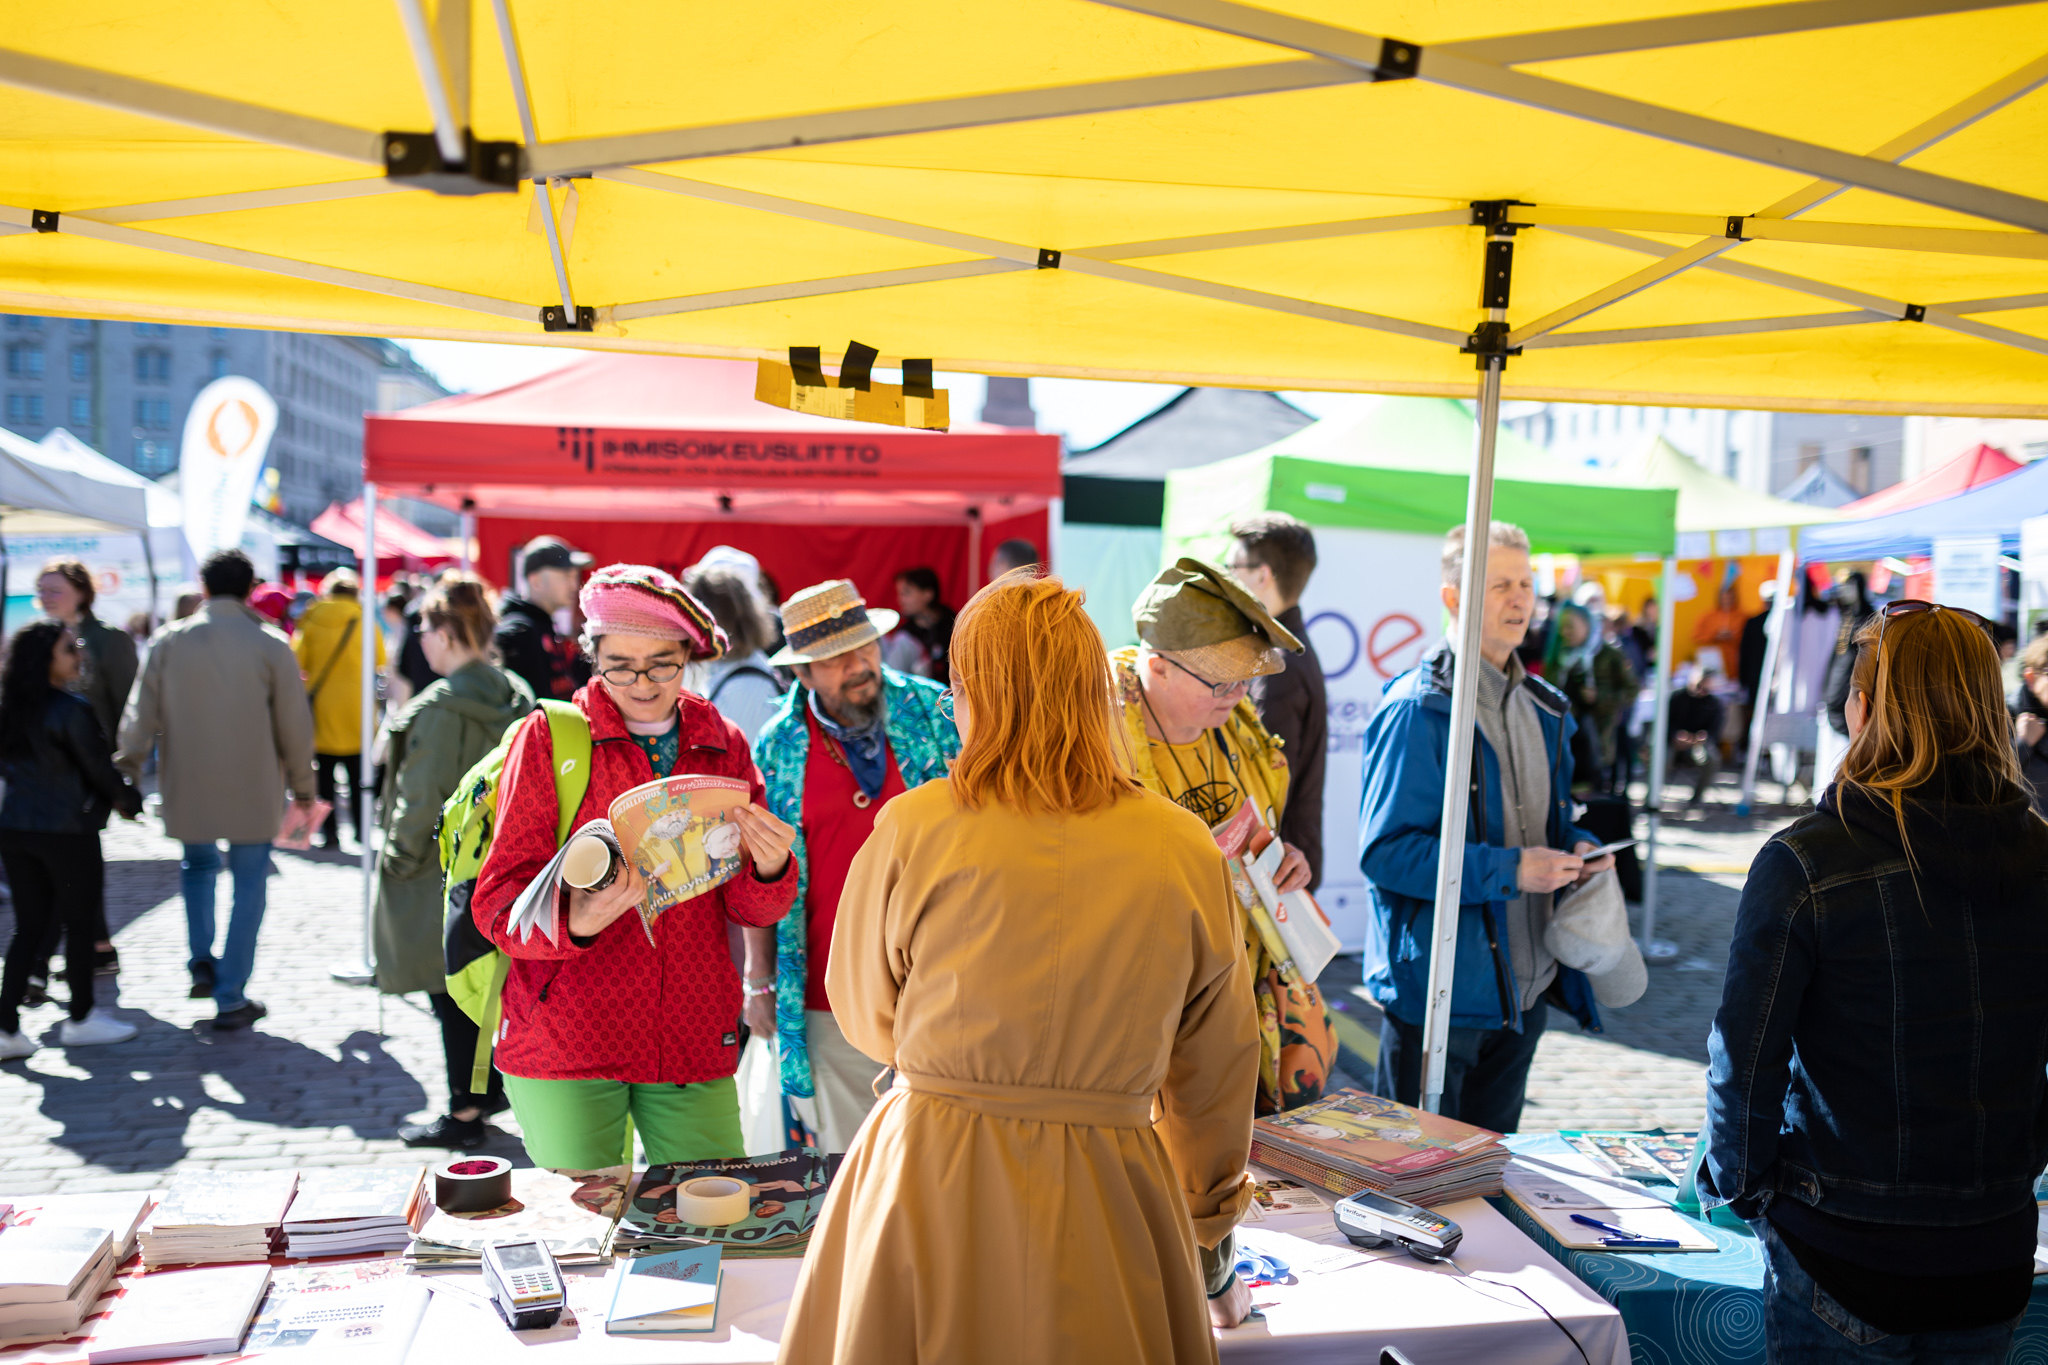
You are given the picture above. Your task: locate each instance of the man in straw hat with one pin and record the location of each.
(1196, 740)
(851, 735)
(1521, 847)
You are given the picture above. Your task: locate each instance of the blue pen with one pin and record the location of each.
(1622, 1236)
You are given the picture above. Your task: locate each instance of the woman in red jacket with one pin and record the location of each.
(603, 1023)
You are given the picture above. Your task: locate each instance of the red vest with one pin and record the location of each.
(834, 829)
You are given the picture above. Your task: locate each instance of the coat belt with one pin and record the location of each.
(1034, 1103)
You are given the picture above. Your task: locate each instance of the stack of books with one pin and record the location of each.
(51, 1275)
(187, 1313)
(353, 1210)
(788, 1194)
(1350, 1141)
(213, 1216)
(572, 1212)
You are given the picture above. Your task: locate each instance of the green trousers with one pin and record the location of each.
(581, 1125)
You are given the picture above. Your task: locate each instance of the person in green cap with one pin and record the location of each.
(1196, 739)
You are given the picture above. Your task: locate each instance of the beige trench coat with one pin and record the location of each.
(1041, 983)
(221, 700)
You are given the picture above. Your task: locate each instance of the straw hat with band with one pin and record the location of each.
(828, 619)
(1203, 619)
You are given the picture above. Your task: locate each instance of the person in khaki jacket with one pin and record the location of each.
(221, 702)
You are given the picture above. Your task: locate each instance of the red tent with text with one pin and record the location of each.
(656, 459)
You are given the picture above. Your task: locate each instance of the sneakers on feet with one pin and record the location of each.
(202, 981)
(462, 1135)
(96, 1028)
(241, 1016)
(106, 961)
(38, 992)
(14, 1046)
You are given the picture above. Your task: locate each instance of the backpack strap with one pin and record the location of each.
(569, 737)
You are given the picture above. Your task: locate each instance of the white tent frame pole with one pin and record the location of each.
(522, 99)
(1451, 830)
(426, 59)
(1660, 753)
(1775, 630)
(364, 971)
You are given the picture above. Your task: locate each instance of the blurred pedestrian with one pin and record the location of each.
(61, 784)
(329, 646)
(437, 738)
(924, 631)
(528, 644)
(1273, 557)
(1697, 715)
(1011, 555)
(850, 737)
(66, 593)
(222, 703)
(741, 684)
(1876, 1099)
(1594, 675)
(1721, 629)
(2030, 722)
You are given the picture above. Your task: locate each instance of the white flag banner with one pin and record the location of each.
(227, 435)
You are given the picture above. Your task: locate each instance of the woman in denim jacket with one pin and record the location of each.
(1876, 1096)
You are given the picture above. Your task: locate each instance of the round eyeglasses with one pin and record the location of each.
(1216, 689)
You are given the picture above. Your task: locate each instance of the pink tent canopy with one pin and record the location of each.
(1964, 472)
(400, 544)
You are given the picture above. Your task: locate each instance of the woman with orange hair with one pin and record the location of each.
(1043, 951)
(1878, 1081)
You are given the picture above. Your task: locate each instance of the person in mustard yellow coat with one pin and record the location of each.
(1049, 956)
(329, 644)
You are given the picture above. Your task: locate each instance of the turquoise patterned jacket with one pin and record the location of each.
(922, 741)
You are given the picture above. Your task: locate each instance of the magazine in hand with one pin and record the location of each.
(788, 1191)
(676, 833)
(1294, 929)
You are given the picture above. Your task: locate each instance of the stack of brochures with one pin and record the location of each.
(51, 1275)
(185, 1313)
(212, 1216)
(1350, 1141)
(351, 1210)
(788, 1193)
(572, 1212)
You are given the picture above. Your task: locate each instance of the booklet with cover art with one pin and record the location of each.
(674, 830)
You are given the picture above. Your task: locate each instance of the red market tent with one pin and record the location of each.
(656, 459)
(401, 546)
(1964, 472)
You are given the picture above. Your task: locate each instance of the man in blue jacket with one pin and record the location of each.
(1518, 829)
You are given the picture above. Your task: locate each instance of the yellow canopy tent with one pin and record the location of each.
(1817, 204)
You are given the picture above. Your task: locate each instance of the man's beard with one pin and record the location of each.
(853, 715)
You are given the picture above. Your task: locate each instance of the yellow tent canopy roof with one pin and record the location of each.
(1814, 204)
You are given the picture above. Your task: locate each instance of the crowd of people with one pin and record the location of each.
(960, 831)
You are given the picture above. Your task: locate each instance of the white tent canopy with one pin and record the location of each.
(44, 491)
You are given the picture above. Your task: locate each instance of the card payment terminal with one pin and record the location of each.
(1371, 1219)
(525, 1283)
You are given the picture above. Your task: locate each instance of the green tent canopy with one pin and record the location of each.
(1402, 465)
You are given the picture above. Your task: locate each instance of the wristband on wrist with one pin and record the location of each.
(763, 987)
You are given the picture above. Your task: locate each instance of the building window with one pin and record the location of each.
(17, 323)
(17, 408)
(81, 410)
(1860, 469)
(152, 366)
(81, 363)
(154, 457)
(82, 325)
(217, 365)
(152, 329)
(25, 360)
(153, 413)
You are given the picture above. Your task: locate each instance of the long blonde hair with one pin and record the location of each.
(1031, 670)
(1936, 720)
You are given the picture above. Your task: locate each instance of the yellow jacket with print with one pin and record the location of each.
(331, 656)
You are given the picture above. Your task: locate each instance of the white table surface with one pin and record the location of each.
(1432, 1313)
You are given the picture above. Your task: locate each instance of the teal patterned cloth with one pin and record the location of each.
(923, 742)
(1702, 1307)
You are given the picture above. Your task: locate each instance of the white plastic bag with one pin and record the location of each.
(759, 1081)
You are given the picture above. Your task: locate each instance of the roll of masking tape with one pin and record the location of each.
(473, 1184)
(713, 1201)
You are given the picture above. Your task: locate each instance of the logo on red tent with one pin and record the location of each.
(579, 443)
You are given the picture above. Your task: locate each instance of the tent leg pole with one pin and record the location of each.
(364, 971)
(1760, 705)
(1450, 868)
(468, 531)
(1660, 752)
(973, 551)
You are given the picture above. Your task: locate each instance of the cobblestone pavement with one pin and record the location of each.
(325, 1079)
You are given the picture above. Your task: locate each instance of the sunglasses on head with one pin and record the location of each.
(1913, 606)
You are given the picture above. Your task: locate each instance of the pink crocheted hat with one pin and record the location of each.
(639, 599)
